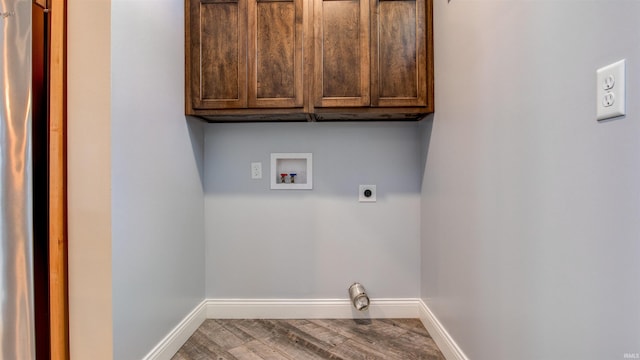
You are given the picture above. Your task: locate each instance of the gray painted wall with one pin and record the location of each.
(530, 208)
(312, 244)
(157, 209)
(529, 212)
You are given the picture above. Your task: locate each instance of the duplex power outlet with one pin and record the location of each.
(611, 91)
(256, 170)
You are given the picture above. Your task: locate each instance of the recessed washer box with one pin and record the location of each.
(291, 171)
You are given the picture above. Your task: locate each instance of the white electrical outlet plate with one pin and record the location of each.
(367, 193)
(611, 89)
(256, 170)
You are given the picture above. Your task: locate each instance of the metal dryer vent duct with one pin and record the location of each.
(359, 297)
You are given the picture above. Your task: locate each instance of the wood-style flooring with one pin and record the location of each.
(346, 339)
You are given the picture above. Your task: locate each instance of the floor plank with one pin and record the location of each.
(339, 339)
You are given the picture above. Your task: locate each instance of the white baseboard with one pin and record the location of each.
(309, 309)
(304, 309)
(179, 335)
(439, 334)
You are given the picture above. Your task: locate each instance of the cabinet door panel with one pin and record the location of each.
(221, 60)
(341, 73)
(275, 53)
(399, 53)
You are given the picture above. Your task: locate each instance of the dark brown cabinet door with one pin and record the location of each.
(399, 53)
(341, 47)
(275, 53)
(218, 54)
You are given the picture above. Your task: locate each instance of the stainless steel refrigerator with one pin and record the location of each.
(17, 334)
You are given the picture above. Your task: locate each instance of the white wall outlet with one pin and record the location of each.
(367, 193)
(256, 170)
(611, 89)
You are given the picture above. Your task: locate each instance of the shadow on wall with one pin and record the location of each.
(196, 135)
(424, 130)
(345, 155)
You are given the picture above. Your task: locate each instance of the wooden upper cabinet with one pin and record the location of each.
(245, 54)
(254, 60)
(218, 54)
(275, 53)
(341, 63)
(399, 53)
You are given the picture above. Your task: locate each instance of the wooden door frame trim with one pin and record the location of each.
(58, 265)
